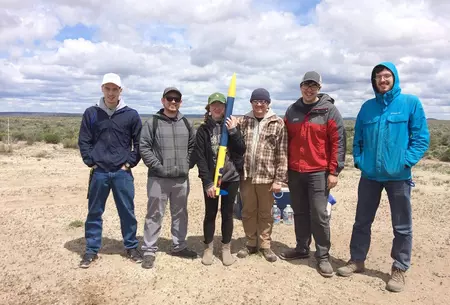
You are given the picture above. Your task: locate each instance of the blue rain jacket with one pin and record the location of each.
(391, 133)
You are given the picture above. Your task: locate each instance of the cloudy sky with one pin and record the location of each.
(53, 53)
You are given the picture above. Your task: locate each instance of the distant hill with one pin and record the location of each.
(56, 114)
(60, 114)
(43, 114)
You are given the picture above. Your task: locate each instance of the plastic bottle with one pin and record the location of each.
(276, 214)
(331, 202)
(288, 215)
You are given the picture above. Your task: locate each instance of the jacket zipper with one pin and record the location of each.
(255, 141)
(174, 146)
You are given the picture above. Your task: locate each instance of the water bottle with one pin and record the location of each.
(288, 215)
(331, 202)
(276, 214)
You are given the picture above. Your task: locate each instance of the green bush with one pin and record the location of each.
(52, 138)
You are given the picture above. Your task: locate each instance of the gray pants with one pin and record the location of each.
(309, 200)
(159, 191)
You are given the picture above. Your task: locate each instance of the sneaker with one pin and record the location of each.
(185, 253)
(350, 268)
(325, 269)
(269, 255)
(148, 261)
(292, 254)
(134, 255)
(246, 251)
(397, 281)
(88, 258)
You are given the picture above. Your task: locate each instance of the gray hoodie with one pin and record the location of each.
(110, 112)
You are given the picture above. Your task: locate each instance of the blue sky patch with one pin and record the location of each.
(75, 32)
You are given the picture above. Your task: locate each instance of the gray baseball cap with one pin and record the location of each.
(312, 76)
(170, 89)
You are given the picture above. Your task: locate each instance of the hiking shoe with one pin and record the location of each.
(227, 257)
(185, 253)
(269, 255)
(134, 255)
(208, 256)
(246, 251)
(350, 268)
(397, 281)
(87, 259)
(325, 269)
(292, 254)
(148, 261)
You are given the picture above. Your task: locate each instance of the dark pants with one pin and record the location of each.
(369, 195)
(309, 200)
(122, 185)
(226, 209)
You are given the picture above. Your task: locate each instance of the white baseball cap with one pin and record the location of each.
(112, 78)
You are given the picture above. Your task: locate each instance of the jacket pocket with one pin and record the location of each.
(176, 167)
(394, 162)
(368, 156)
(397, 130)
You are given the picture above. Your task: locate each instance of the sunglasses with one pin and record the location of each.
(176, 99)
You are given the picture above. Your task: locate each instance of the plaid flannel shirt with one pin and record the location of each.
(265, 159)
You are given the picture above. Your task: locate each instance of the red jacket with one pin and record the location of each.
(316, 137)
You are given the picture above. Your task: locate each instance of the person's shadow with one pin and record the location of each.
(115, 247)
(311, 262)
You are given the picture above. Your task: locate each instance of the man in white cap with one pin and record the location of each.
(109, 145)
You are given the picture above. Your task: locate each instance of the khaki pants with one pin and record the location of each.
(257, 203)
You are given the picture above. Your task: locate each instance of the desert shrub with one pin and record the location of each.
(5, 148)
(445, 140)
(18, 136)
(70, 143)
(76, 224)
(52, 138)
(445, 156)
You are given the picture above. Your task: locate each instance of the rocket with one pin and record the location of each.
(224, 138)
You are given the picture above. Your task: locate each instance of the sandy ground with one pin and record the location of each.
(43, 190)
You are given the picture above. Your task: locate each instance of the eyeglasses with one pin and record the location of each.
(386, 76)
(176, 99)
(311, 85)
(263, 102)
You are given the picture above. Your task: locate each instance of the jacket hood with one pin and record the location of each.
(120, 105)
(396, 90)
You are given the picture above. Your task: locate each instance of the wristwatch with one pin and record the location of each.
(127, 165)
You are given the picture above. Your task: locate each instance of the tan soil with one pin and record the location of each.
(43, 190)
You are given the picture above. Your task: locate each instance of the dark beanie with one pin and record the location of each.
(260, 94)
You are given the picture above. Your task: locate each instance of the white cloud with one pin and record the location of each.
(197, 47)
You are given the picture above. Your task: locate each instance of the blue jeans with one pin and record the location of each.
(369, 195)
(122, 184)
